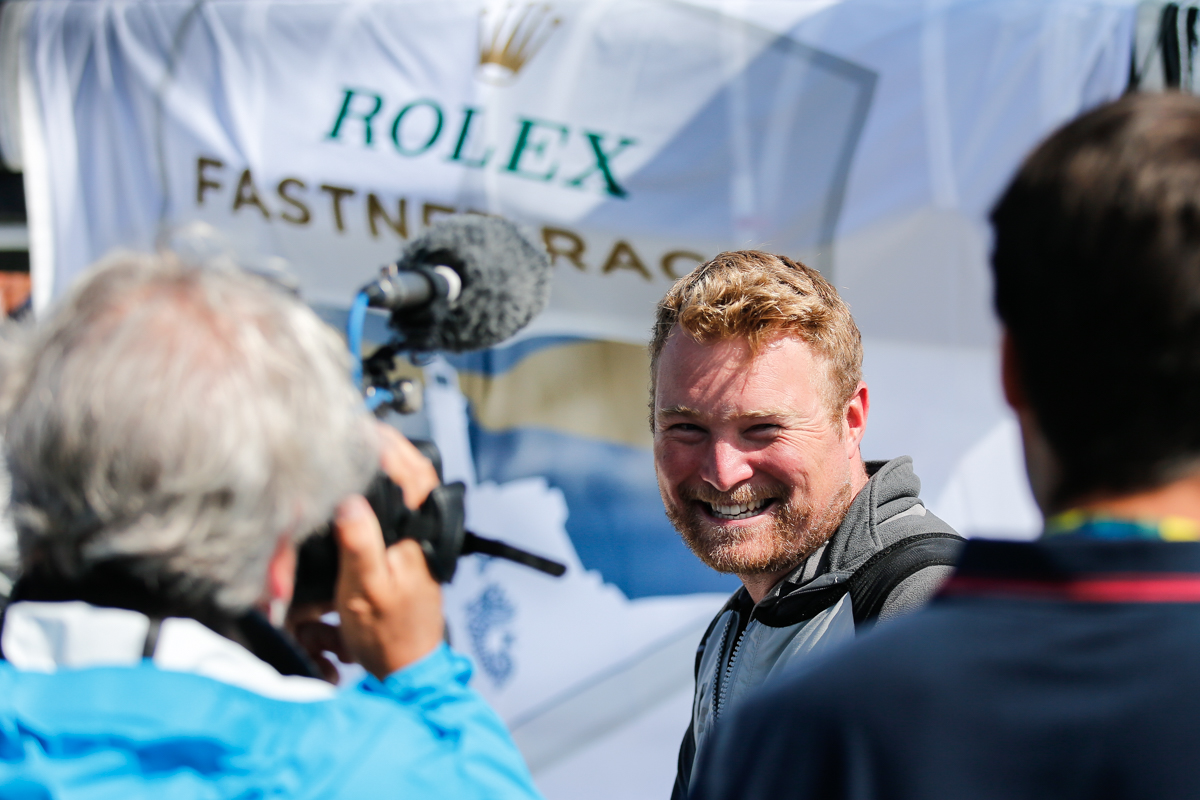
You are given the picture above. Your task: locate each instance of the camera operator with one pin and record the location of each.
(172, 431)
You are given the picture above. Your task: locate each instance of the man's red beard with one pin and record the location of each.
(787, 532)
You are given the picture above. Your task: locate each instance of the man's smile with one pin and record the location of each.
(753, 508)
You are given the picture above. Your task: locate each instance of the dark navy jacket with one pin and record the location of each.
(1061, 668)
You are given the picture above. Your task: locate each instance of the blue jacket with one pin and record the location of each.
(141, 730)
(1052, 669)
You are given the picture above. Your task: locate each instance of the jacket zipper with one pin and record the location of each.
(719, 700)
(717, 681)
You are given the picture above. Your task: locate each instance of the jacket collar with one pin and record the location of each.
(892, 490)
(115, 585)
(52, 636)
(1079, 570)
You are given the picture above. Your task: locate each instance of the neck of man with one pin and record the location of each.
(1180, 498)
(760, 584)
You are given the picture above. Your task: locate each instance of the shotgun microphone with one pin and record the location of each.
(467, 283)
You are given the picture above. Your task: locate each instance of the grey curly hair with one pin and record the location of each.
(179, 418)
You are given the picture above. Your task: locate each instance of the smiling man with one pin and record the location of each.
(1063, 667)
(758, 410)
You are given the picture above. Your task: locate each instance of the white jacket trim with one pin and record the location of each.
(46, 637)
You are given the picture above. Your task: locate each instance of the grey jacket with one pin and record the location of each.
(748, 645)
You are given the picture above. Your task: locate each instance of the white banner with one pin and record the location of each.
(637, 137)
(327, 134)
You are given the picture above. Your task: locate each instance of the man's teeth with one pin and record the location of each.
(738, 511)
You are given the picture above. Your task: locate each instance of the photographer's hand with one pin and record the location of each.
(390, 606)
(405, 465)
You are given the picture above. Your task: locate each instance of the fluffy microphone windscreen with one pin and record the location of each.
(505, 284)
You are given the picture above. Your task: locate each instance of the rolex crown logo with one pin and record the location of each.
(509, 36)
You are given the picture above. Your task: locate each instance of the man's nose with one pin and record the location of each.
(726, 466)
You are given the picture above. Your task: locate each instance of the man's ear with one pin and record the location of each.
(281, 570)
(854, 418)
(1010, 375)
(1041, 464)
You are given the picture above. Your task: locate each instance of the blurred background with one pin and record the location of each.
(635, 138)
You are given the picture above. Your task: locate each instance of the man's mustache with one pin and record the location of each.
(742, 495)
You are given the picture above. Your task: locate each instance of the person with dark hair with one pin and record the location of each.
(1062, 667)
(758, 407)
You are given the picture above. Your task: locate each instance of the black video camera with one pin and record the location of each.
(437, 526)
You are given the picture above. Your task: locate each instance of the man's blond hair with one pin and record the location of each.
(761, 297)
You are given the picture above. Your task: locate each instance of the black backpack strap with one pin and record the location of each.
(873, 582)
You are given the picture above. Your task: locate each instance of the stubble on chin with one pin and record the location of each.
(786, 535)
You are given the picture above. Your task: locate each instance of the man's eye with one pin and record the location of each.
(763, 428)
(686, 427)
